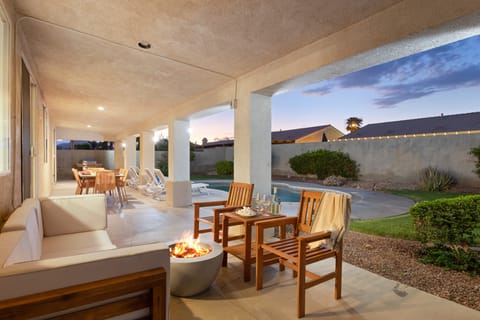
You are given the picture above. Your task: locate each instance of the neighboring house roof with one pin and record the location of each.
(294, 134)
(441, 124)
(328, 132)
(220, 143)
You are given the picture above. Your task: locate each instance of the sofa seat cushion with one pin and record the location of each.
(76, 243)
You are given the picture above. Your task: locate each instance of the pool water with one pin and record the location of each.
(284, 193)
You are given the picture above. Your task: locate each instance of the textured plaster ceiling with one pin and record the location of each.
(86, 54)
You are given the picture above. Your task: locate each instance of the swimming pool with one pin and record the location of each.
(284, 193)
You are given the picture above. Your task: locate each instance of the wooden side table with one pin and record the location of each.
(245, 251)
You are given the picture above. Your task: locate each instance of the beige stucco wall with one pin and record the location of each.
(381, 160)
(395, 160)
(67, 158)
(7, 199)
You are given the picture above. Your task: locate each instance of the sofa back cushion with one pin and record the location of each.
(72, 214)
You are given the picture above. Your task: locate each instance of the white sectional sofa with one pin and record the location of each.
(60, 244)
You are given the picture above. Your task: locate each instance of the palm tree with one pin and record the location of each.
(354, 123)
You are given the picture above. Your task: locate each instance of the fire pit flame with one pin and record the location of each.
(188, 248)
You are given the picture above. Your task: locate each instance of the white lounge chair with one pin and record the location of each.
(196, 187)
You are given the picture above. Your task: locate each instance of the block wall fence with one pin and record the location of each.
(381, 160)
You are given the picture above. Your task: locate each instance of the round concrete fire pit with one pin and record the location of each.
(191, 276)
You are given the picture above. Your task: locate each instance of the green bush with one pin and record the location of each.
(325, 163)
(448, 221)
(451, 224)
(163, 166)
(433, 179)
(468, 261)
(224, 168)
(476, 153)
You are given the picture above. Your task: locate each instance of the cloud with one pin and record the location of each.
(393, 95)
(449, 67)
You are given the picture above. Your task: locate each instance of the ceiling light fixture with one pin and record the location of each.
(100, 108)
(144, 44)
(89, 126)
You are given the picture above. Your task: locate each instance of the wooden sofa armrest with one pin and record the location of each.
(96, 300)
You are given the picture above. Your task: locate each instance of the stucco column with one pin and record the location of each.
(252, 151)
(179, 187)
(147, 152)
(119, 155)
(131, 152)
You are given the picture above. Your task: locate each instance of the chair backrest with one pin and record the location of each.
(105, 181)
(77, 177)
(133, 173)
(124, 173)
(240, 194)
(309, 206)
(151, 178)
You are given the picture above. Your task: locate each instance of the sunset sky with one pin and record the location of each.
(442, 80)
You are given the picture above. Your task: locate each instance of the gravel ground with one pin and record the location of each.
(395, 259)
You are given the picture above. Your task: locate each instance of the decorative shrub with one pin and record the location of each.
(476, 153)
(449, 221)
(325, 163)
(224, 167)
(433, 179)
(451, 224)
(163, 166)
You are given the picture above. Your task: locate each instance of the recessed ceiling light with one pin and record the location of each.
(89, 126)
(144, 44)
(100, 108)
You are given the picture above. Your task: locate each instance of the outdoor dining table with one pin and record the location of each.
(245, 251)
(92, 176)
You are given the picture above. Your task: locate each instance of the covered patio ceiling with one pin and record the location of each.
(85, 54)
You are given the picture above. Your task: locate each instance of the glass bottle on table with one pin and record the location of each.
(274, 204)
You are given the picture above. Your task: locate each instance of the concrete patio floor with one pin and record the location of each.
(365, 295)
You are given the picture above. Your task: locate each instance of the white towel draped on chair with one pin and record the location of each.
(329, 218)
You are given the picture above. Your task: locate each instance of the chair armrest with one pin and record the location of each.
(210, 203)
(312, 237)
(226, 209)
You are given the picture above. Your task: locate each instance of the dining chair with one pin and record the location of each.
(317, 235)
(239, 196)
(105, 181)
(81, 185)
(122, 184)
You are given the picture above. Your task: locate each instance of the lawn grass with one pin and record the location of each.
(394, 227)
(419, 196)
(399, 226)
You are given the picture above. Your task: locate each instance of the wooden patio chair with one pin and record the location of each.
(81, 185)
(105, 181)
(239, 195)
(122, 184)
(317, 234)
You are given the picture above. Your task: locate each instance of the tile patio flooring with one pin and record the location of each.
(365, 295)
